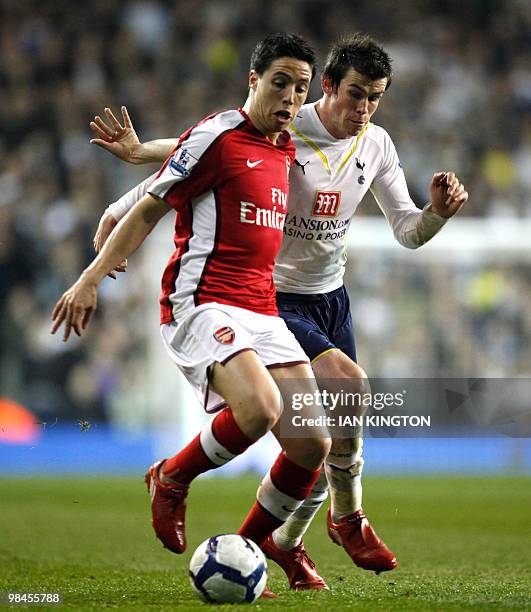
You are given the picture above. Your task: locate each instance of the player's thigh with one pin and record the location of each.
(250, 391)
(336, 364)
(348, 388)
(201, 338)
(298, 379)
(337, 369)
(312, 444)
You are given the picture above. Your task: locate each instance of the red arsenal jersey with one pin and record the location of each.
(229, 186)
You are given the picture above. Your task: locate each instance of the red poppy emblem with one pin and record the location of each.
(224, 335)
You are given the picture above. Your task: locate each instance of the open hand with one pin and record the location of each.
(120, 140)
(75, 307)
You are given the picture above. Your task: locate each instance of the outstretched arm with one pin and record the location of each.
(413, 227)
(121, 140)
(116, 211)
(77, 305)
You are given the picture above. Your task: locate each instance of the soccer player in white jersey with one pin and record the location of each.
(227, 181)
(340, 155)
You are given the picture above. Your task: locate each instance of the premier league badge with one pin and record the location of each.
(179, 163)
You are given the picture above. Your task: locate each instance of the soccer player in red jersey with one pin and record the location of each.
(326, 186)
(227, 180)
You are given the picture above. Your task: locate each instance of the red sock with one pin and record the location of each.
(259, 524)
(281, 492)
(220, 440)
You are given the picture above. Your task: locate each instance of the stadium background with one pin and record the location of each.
(461, 99)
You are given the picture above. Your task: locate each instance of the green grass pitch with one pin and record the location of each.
(462, 544)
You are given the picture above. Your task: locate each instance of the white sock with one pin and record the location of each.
(290, 533)
(343, 467)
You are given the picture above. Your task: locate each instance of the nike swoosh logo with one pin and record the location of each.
(288, 509)
(251, 164)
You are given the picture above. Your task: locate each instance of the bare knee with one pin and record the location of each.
(257, 410)
(337, 374)
(316, 451)
(309, 453)
(337, 365)
(359, 386)
(250, 391)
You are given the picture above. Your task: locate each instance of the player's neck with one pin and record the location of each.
(262, 127)
(323, 112)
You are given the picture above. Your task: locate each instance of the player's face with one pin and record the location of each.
(278, 94)
(350, 108)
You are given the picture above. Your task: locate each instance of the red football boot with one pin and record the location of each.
(299, 568)
(168, 505)
(355, 534)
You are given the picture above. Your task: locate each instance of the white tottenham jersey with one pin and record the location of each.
(327, 183)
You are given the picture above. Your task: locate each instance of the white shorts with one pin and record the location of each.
(215, 333)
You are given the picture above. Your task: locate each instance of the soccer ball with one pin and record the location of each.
(228, 569)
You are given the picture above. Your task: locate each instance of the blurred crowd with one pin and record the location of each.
(441, 319)
(460, 99)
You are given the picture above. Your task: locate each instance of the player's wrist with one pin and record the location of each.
(110, 216)
(139, 154)
(155, 151)
(431, 209)
(93, 275)
(115, 212)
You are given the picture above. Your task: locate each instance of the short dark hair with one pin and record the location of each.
(278, 45)
(360, 52)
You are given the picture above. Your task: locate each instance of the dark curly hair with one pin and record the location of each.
(360, 52)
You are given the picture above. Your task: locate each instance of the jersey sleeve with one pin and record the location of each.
(192, 169)
(411, 227)
(124, 204)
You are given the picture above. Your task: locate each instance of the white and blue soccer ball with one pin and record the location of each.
(228, 568)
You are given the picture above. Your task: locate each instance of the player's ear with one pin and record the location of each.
(253, 79)
(326, 84)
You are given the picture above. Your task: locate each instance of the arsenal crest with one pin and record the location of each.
(224, 335)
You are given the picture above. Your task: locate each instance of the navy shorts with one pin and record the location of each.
(320, 321)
